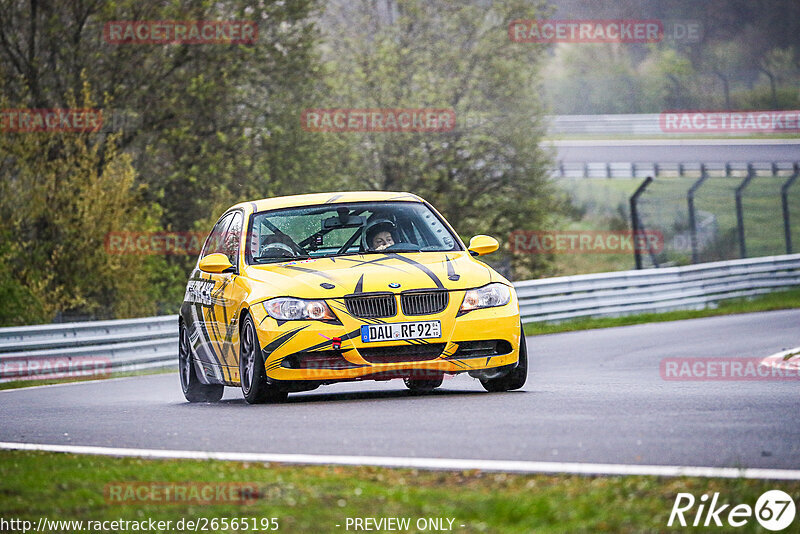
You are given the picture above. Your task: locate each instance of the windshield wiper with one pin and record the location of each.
(282, 257)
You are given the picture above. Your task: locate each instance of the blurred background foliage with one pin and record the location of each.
(191, 129)
(746, 57)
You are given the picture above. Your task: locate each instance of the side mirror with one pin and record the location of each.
(482, 244)
(215, 263)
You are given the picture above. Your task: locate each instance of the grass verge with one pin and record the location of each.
(16, 384)
(318, 498)
(779, 300)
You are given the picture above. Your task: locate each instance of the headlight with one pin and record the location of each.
(488, 296)
(289, 309)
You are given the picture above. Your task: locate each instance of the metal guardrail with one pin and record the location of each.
(122, 345)
(619, 124)
(654, 290)
(152, 342)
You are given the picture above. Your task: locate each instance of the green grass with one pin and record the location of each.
(779, 300)
(317, 498)
(15, 384)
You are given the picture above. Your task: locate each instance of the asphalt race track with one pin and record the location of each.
(592, 396)
(677, 150)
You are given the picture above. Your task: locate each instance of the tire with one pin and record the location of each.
(515, 378)
(252, 372)
(193, 389)
(423, 386)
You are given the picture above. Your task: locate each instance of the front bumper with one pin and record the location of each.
(305, 350)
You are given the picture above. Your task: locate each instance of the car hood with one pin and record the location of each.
(344, 275)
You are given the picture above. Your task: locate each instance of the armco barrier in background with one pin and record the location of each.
(152, 342)
(124, 345)
(654, 290)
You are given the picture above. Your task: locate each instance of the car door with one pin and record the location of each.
(201, 301)
(229, 294)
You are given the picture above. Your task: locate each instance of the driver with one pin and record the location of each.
(380, 236)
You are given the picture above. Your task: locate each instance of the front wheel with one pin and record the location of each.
(252, 372)
(193, 389)
(515, 378)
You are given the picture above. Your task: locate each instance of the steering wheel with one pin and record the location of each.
(404, 247)
(282, 248)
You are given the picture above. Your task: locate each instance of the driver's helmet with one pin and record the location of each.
(374, 228)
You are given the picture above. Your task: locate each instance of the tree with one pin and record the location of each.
(61, 194)
(779, 65)
(204, 125)
(666, 79)
(724, 60)
(585, 78)
(486, 175)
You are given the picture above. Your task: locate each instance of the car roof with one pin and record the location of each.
(328, 198)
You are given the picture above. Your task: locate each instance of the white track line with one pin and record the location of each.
(779, 360)
(424, 463)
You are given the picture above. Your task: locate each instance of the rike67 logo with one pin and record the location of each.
(774, 510)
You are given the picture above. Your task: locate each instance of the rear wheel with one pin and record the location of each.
(193, 389)
(515, 378)
(252, 372)
(423, 385)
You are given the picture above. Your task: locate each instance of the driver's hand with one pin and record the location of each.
(381, 247)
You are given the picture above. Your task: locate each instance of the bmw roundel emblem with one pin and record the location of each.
(394, 285)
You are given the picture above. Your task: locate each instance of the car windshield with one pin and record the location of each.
(354, 228)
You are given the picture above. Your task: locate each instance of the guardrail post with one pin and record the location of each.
(608, 170)
(739, 214)
(585, 170)
(787, 229)
(633, 170)
(635, 223)
(680, 169)
(692, 220)
(656, 170)
(561, 168)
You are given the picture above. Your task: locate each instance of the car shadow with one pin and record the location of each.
(356, 396)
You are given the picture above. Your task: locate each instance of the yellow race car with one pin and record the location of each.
(294, 292)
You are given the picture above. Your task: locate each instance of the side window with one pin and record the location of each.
(230, 245)
(215, 239)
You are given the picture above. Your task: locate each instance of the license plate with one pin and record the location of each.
(391, 331)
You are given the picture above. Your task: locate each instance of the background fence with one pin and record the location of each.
(705, 211)
(153, 342)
